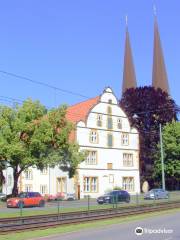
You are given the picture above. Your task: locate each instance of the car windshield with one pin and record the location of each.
(22, 195)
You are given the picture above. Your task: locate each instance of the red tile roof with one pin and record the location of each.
(79, 111)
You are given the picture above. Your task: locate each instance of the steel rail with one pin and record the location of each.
(79, 218)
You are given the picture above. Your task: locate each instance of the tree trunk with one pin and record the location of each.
(2, 178)
(15, 186)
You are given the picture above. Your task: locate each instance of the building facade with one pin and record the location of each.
(102, 130)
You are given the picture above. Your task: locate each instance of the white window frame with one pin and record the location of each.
(128, 160)
(28, 174)
(43, 189)
(93, 137)
(128, 184)
(125, 139)
(91, 158)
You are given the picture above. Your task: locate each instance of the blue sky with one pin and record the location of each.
(79, 46)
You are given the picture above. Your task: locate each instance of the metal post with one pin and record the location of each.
(162, 157)
(137, 199)
(88, 203)
(58, 208)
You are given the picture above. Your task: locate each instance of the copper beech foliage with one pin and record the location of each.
(146, 108)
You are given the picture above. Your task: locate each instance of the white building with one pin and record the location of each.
(103, 130)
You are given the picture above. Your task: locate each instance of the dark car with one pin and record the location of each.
(114, 196)
(156, 193)
(26, 199)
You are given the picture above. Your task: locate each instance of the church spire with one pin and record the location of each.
(129, 76)
(159, 75)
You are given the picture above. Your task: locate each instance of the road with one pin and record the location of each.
(167, 222)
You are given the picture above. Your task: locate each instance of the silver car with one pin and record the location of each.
(157, 193)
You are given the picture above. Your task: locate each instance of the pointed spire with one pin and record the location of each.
(129, 76)
(159, 74)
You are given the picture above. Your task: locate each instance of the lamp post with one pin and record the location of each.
(162, 157)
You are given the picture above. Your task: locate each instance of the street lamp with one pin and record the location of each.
(135, 116)
(162, 157)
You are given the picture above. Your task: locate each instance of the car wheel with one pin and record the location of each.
(100, 203)
(41, 203)
(127, 200)
(20, 204)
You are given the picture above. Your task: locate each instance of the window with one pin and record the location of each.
(91, 158)
(28, 175)
(99, 120)
(128, 159)
(43, 189)
(110, 140)
(109, 123)
(44, 171)
(119, 123)
(110, 101)
(9, 180)
(90, 184)
(93, 136)
(109, 110)
(28, 187)
(125, 139)
(111, 178)
(128, 184)
(109, 165)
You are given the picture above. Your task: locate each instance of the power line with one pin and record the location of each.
(43, 84)
(16, 100)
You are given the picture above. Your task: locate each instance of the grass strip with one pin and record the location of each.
(73, 228)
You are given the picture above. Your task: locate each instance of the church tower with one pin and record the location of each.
(129, 76)
(159, 74)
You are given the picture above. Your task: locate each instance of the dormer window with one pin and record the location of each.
(119, 123)
(99, 120)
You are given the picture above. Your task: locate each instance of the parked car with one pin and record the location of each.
(156, 194)
(114, 196)
(26, 199)
(71, 197)
(2, 196)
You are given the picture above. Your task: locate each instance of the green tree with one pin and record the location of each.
(151, 107)
(30, 136)
(171, 147)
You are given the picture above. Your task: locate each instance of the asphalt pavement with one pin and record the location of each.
(163, 227)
